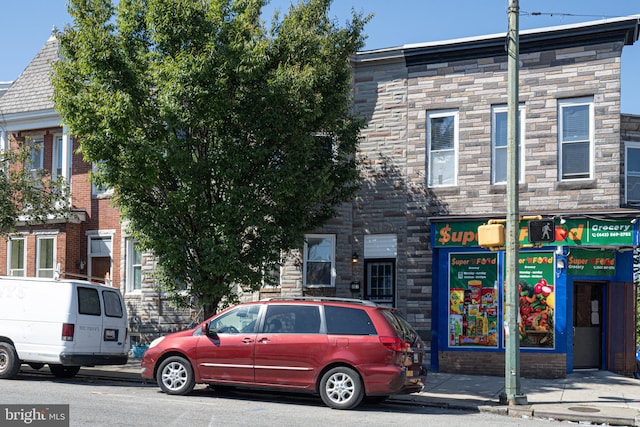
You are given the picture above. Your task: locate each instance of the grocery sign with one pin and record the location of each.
(591, 263)
(573, 232)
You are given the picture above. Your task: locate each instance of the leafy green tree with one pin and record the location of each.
(225, 139)
(28, 195)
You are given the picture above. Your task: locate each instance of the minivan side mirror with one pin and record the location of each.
(208, 331)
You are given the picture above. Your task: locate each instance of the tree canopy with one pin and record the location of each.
(225, 138)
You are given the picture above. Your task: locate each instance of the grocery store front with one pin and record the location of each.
(576, 299)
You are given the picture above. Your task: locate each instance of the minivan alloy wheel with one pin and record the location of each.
(175, 376)
(341, 388)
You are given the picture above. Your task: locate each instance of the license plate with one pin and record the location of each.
(110, 334)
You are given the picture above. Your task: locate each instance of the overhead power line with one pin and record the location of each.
(578, 15)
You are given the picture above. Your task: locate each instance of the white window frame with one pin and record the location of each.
(633, 173)
(430, 153)
(99, 191)
(36, 146)
(62, 157)
(562, 105)
(39, 270)
(10, 241)
(132, 266)
(332, 241)
(276, 273)
(503, 109)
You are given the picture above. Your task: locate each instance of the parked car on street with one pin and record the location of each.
(341, 349)
(65, 324)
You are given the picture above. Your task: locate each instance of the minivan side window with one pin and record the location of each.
(292, 319)
(348, 321)
(88, 301)
(112, 305)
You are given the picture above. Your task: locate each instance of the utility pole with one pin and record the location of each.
(512, 395)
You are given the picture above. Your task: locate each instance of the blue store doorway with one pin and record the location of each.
(587, 325)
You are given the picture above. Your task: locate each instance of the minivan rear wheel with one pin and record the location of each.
(9, 363)
(175, 376)
(341, 388)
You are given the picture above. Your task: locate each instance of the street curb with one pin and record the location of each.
(532, 412)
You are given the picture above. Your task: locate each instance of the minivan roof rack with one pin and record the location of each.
(322, 299)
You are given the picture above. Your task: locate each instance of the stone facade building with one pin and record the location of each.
(434, 169)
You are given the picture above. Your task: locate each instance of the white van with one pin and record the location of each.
(63, 323)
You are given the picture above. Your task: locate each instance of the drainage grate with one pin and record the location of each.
(583, 409)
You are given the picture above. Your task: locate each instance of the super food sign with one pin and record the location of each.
(572, 232)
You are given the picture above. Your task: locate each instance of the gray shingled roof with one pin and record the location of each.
(32, 91)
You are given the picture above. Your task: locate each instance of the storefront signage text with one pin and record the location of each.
(590, 263)
(573, 232)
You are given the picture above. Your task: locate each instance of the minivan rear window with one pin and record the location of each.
(88, 301)
(348, 321)
(112, 304)
(402, 327)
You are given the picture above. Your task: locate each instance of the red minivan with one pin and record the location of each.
(341, 349)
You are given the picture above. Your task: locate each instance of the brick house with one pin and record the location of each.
(91, 244)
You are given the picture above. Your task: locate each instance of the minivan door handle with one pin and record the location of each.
(264, 340)
(247, 340)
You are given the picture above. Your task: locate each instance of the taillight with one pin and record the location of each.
(67, 331)
(392, 343)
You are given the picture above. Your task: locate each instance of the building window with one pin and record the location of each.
(99, 190)
(442, 142)
(271, 276)
(134, 266)
(499, 137)
(45, 256)
(17, 256)
(319, 260)
(575, 129)
(58, 157)
(36, 158)
(632, 172)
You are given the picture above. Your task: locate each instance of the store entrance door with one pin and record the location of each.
(587, 325)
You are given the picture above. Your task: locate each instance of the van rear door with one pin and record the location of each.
(88, 326)
(114, 323)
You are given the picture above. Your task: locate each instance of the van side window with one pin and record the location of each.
(348, 321)
(292, 319)
(112, 304)
(88, 301)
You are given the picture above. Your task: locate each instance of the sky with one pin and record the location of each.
(27, 24)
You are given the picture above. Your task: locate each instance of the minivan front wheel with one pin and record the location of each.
(341, 388)
(175, 376)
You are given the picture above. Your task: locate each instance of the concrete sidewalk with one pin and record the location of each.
(599, 397)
